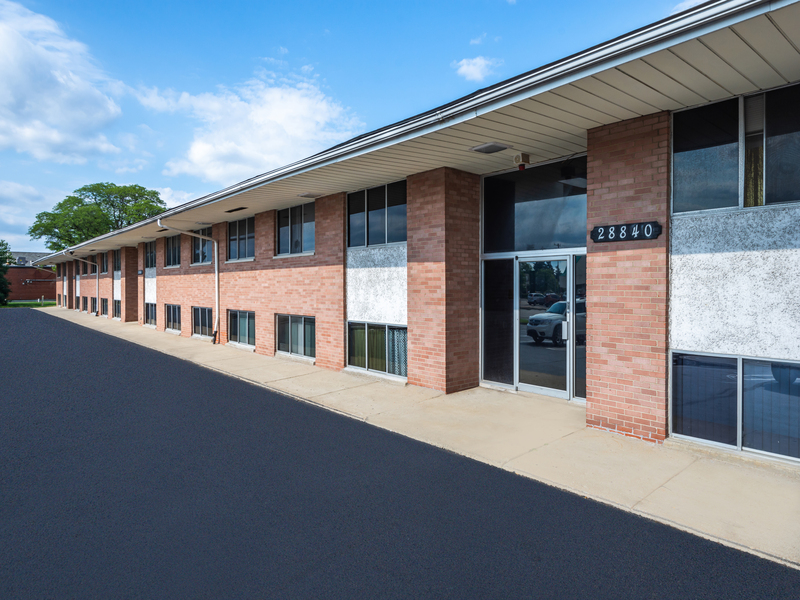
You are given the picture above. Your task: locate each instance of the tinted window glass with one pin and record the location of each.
(540, 208)
(704, 397)
(705, 148)
(283, 333)
(356, 231)
(309, 337)
(308, 227)
(396, 212)
(357, 345)
(376, 204)
(771, 407)
(284, 243)
(297, 228)
(783, 145)
(498, 321)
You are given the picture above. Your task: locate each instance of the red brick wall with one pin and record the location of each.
(20, 290)
(443, 279)
(302, 285)
(627, 282)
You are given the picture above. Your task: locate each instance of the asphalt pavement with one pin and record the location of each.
(128, 473)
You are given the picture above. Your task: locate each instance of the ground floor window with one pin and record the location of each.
(94, 305)
(149, 313)
(58, 299)
(173, 314)
(77, 302)
(85, 304)
(202, 323)
(242, 327)
(377, 347)
(740, 402)
(117, 309)
(104, 307)
(297, 335)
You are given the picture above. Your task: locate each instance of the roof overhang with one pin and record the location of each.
(714, 51)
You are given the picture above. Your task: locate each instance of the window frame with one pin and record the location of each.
(198, 246)
(104, 307)
(172, 251)
(741, 163)
(366, 191)
(249, 313)
(239, 238)
(210, 322)
(303, 251)
(367, 325)
(150, 316)
(302, 335)
(150, 255)
(117, 261)
(116, 307)
(170, 319)
(740, 360)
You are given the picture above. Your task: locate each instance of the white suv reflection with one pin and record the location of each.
(547, 325)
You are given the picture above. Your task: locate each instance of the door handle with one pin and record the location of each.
(565, 330)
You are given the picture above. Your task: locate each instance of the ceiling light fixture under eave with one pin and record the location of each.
(233, 210)
(490, 147)
(309, 195)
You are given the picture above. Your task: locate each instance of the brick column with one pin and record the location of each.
(129, 284)
(627, 282)
(443, 279)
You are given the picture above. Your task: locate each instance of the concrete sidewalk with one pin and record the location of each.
(750, 504)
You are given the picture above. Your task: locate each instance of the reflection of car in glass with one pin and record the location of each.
(551, 299)
(535, 298)
(547, 325)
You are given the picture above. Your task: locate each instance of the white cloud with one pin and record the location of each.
(685, 5)
(283, 50)
(19, 205)
(476, 69)
(54, 100)
(174, 197)
(258, 126)
(477, 40)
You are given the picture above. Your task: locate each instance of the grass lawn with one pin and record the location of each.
(28, 304)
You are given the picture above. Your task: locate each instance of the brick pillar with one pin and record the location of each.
(129, 284)
(444, 279)
(69, 292)
(627, 282)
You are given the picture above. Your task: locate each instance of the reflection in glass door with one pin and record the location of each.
(543, 308)
(579, 355)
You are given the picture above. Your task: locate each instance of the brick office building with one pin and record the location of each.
(617, 228)
(28, 282)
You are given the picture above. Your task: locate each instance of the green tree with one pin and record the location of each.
(5, 257)
(94, 210)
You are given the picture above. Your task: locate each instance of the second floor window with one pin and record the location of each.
(296, 229)
(117, 260)
(202, 250)
(173, 251)
(103, 262)
(242, 239)
(150, 255)
(94, 264)
(377, 216)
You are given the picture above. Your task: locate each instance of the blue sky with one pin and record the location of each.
(188, 97)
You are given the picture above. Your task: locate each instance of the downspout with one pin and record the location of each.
(97, 277)
(216, 270)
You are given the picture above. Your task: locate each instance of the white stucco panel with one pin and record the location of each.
(117, 291)
(150, 285)
(376, 289)
(734, 283)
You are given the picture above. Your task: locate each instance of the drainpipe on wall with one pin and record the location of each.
(97, 277)
(216, 270)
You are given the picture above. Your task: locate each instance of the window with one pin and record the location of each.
(242, 327)
(297, 335)
(149, 313)
(117, 309)
(377, 216)
(117, 260)
(103, 262)
(706, 396)
(551, 196)
(94, 264)
(172, 256)
(737, 153)
(202, 322)
(150, 255)
(202, 250)
(85, 304)
(58, 270)
(84, 268)
(173, 314)
(104, 307)
(296, 229)
(241, 239)
(58, 299)
(94, 305)
(77, 302)
(378, 348)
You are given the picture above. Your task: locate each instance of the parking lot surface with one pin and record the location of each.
(127, 473)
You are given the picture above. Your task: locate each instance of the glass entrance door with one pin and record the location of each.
(543, 326)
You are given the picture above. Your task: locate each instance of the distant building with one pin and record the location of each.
(28, 282)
